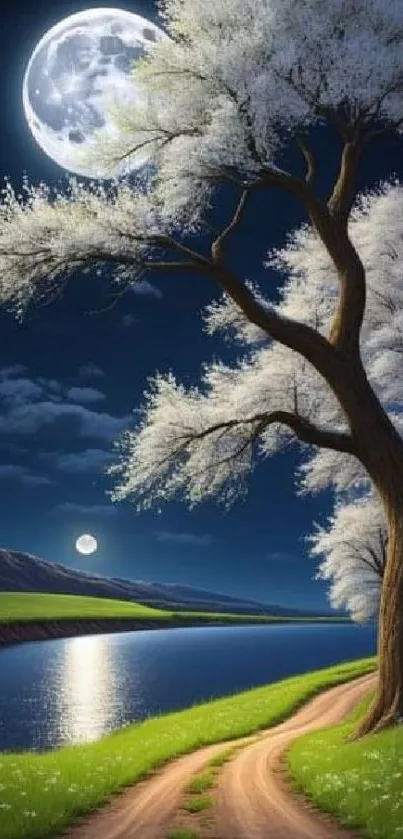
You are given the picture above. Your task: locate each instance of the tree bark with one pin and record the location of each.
(379, 447)
(387, 707)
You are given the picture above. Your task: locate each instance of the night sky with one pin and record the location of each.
(70, 379)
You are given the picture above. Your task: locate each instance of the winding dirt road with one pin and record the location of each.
(251, 798)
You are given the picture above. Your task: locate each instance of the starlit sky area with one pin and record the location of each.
(73, 373)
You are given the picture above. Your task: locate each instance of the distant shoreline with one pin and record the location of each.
(15, 632)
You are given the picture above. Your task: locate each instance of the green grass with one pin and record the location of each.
(197, 803)
(27, 606)
(182, 833)
(201, 783)
(359, 781)
(41, 793)
(219, 760)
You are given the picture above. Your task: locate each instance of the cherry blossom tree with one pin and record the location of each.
(353, 556)
(234, 84)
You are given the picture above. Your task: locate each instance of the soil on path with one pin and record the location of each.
(252, 799)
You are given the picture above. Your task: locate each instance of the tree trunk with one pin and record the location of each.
(387, 707)
(379, 447)
(384, 461)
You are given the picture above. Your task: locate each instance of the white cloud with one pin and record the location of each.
(51, 384)
(279, 556)
(19, 391)
(27, 405)
(13, 370)
(128, 321)
(28, 419)
(9, 470)
(89, 460)
(85, 509)
(90, 371)
(36, 480)
(143, 287)
(184, 538)
(22, 475)
(84, 394)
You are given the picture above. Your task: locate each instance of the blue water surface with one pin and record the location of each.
(73, 690)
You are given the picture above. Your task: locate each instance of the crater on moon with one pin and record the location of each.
(76, 70)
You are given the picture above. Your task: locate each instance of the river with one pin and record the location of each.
(73, 690)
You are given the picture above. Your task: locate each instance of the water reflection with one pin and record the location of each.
(88, 694)
(73, 690)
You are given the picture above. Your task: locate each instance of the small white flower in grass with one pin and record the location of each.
(22, 793)
(30, 814)
(5, 806)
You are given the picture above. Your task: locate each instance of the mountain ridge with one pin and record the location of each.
(20, 571)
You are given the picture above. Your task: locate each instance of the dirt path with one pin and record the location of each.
(251, 798)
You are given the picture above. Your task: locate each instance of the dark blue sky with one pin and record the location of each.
(49, 494)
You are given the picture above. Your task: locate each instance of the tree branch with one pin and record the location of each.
(310, 161)
(293, 334)
(334, 119)
(303, 429)
(379, 132)
(309, 433)
(217, 245)
(159, 135)
(330, 223)
(344, 190)
(177, 266)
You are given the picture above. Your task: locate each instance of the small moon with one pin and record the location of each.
(86, 544)
(79, 68)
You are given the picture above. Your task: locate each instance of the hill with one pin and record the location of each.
(23, 572)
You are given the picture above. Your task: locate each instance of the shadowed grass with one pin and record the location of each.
(40, 793)
(201, 783)
(222, 758)
(182, 833)
(197, 804)
(359, 781)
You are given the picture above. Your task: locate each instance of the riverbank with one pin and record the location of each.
(38, 617)
(16, 632)
(59, 787)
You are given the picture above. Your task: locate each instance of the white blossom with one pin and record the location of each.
(231, 84)
(234, 79)
(46, 235)
(353, 552)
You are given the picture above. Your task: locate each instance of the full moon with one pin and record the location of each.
(78, 68)
(86, 544)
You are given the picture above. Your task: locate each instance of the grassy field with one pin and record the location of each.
(41, 793)
(26, 607)
(361, 782)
